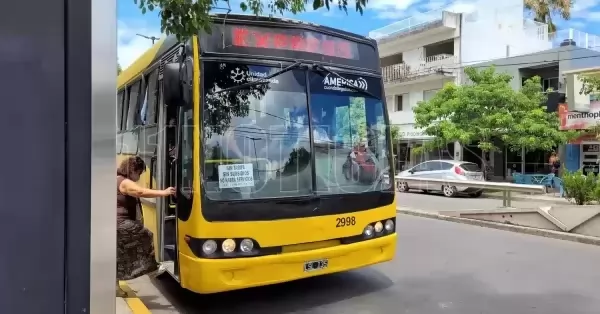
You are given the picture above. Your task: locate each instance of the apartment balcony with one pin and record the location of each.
(432, 68)
(573, 37)
(416, 31)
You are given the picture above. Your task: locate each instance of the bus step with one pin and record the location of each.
(170, 252)
(170, 267)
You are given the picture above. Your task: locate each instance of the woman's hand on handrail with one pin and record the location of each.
(131, 188)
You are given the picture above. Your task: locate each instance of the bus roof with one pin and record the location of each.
(145, 60)
(154, 53)
(283, 20)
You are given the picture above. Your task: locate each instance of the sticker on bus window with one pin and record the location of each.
(236, 176)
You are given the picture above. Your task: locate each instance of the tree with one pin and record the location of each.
(119, 70)
(489, 109)
(590, 83)
(544, 9)
(187, 17)
(395, 131)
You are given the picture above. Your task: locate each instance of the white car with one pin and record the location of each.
(442, 169)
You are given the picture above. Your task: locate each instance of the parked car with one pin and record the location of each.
(442, 169)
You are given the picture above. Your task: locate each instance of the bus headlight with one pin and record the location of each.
(209, 247)
(246, 245)
(389, 225)
(368, 232)
(228, 246)
(378, 227)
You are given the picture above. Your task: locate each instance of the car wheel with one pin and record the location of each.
(449, 191)
(476, 194)
(402, 187)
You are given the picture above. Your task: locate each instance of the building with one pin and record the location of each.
(581, 112)
(423, 52)
(575, 54)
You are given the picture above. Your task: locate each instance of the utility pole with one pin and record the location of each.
(153, 38)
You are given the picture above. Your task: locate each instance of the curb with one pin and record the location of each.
(506, 227)
(135, 304)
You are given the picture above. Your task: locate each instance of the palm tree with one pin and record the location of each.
(544, 9)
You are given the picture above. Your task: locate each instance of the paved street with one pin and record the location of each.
(441, 267)
(437, 202)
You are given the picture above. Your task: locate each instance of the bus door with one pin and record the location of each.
(170, 154)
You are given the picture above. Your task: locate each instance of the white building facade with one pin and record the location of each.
(422, 53)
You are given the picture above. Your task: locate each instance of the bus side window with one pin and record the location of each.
(187, 148)
(124, 110)
(148, 112)
(120, 96)
(130, 135)
(132, 109)
(148, 130)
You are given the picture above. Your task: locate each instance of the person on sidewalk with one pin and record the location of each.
(135, 243)
(554, 163)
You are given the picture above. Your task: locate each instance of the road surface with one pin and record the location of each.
(441, 268)
(437, 202)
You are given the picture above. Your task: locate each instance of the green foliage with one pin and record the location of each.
(595, 130)
(591, 84)
(119, 70)
(351, 121)
(185, 18)
(596, 195)
(580, 189)
(488, 109)
(395, 131)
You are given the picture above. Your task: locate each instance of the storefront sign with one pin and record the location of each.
(408, 132)
(413, 134)
(570, 120)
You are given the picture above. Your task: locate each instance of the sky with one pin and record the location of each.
(378, 13)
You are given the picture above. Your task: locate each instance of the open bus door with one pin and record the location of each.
(176, 136)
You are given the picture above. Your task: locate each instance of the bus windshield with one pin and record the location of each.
(355, 123)
(257, 140)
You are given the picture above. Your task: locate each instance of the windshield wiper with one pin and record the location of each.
(345, 80)
(264, 80)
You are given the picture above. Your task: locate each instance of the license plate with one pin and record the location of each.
(316, 265)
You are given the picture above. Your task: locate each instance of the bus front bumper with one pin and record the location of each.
(217, 275)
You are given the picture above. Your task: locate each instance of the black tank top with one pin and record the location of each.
(126, 205)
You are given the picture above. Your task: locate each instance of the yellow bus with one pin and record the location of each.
(275, 134)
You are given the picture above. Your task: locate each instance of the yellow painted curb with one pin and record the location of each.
(134, 303)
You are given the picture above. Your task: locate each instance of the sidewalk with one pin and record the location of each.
(130, 304)
(122, 307)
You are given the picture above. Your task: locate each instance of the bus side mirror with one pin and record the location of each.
(172, 87)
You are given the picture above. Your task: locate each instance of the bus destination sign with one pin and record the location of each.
(299, 41)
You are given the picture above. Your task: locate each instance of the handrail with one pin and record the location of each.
(497, 186)
(505, 187)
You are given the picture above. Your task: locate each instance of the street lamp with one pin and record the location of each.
(153, 38)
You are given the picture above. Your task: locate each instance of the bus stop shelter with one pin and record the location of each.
(58, 63)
